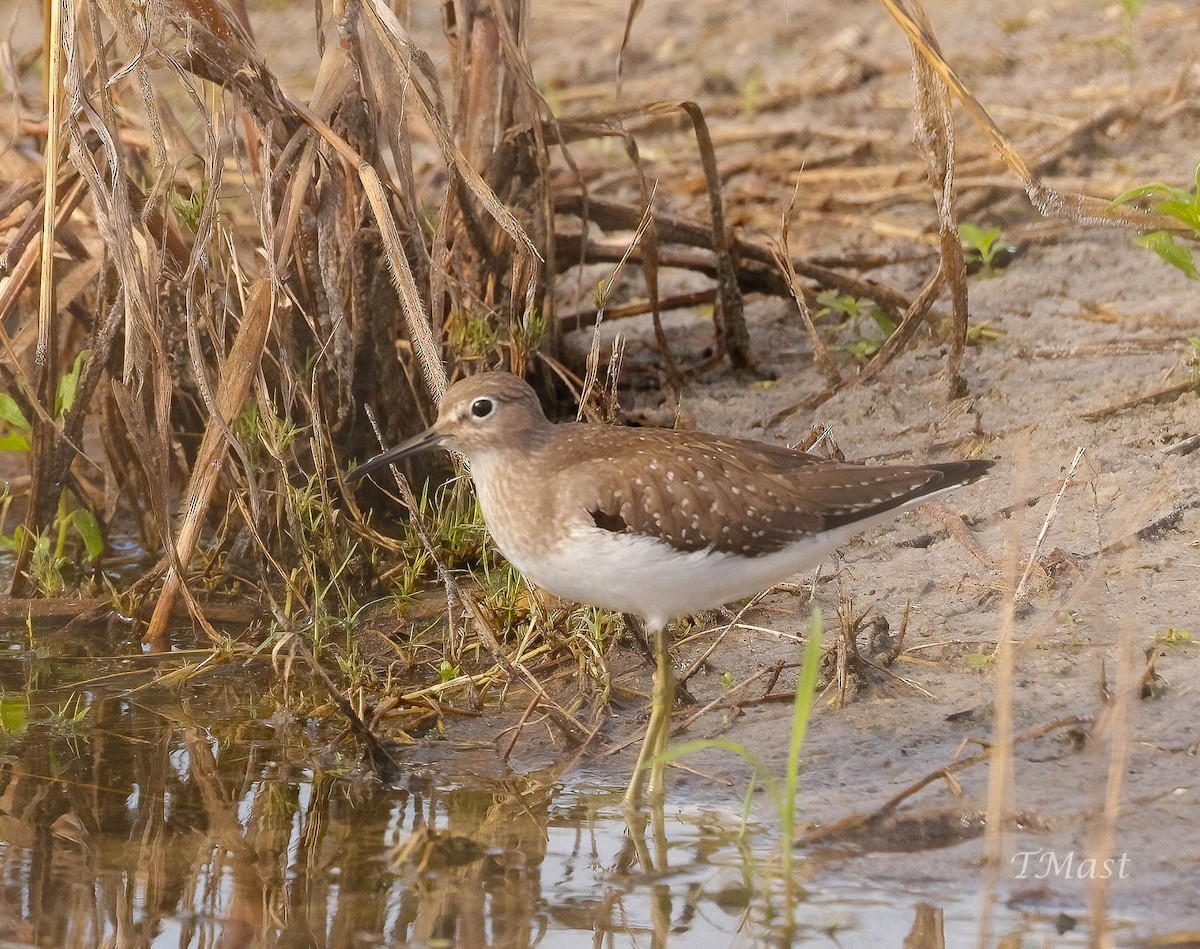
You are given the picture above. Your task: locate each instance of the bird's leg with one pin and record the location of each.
(637, 631)
(662, 703)
(658, 729)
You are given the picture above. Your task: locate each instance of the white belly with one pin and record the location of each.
(652, 580)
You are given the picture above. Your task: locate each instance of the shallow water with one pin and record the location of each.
(205, 813)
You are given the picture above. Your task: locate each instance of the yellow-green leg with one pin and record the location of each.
(649, 773)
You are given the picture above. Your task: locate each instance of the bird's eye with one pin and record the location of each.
(482, 408)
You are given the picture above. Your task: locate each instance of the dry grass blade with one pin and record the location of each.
(1118, 729)
(240, 368)
(935, 137)
(592, 369)
(1001, 782)
(934, 123)
(635, 7)
(99, 154)
(17, 282)
(891, 348)
(1037, 546)
(783, 258)
(54, 53)
(757, 269)
(214, 45)
(1168, 394)
(581, 319)
(52, 449)
(651, 264)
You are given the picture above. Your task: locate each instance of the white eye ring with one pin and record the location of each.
(482, 408)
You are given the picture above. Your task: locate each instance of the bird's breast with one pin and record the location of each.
(519, 510)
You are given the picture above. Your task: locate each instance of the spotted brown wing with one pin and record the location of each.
(702, 492)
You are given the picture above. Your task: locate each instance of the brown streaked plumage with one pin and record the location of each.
(654, 522)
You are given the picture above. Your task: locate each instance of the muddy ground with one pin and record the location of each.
(1088, 321)
(1084, 321)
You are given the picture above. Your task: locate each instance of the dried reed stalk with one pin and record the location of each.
(239, 372)
(934, 125)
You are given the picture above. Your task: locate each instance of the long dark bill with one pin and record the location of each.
(429, 438)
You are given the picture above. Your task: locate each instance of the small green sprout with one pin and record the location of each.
(14, 426)
(1192, 359)
(1175, 637)
(189, 208)
(752, 91)
(530, 330)
(474, 336)
(978, 660)
(854, 309)
(1129, 12)
(985, 250)
(983, 332)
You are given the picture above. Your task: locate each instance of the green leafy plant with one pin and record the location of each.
(1175, 637)
(530, 330)
(47, 563)
(984, 249)
(86, 526)
(49, 560)
(189, 208)
(474, 336)
(598, 627)
(856, 310)
(978, 660)
(14, 714)
(15, 428)
(1180, 203)
(68, 386)
(833, 302)
(504, 593)
(67, 721)
(983, 332)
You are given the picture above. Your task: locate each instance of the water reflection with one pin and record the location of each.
(208, 815)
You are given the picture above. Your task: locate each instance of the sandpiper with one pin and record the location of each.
(652, 522)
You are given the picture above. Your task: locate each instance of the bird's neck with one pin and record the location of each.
(515, 453)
